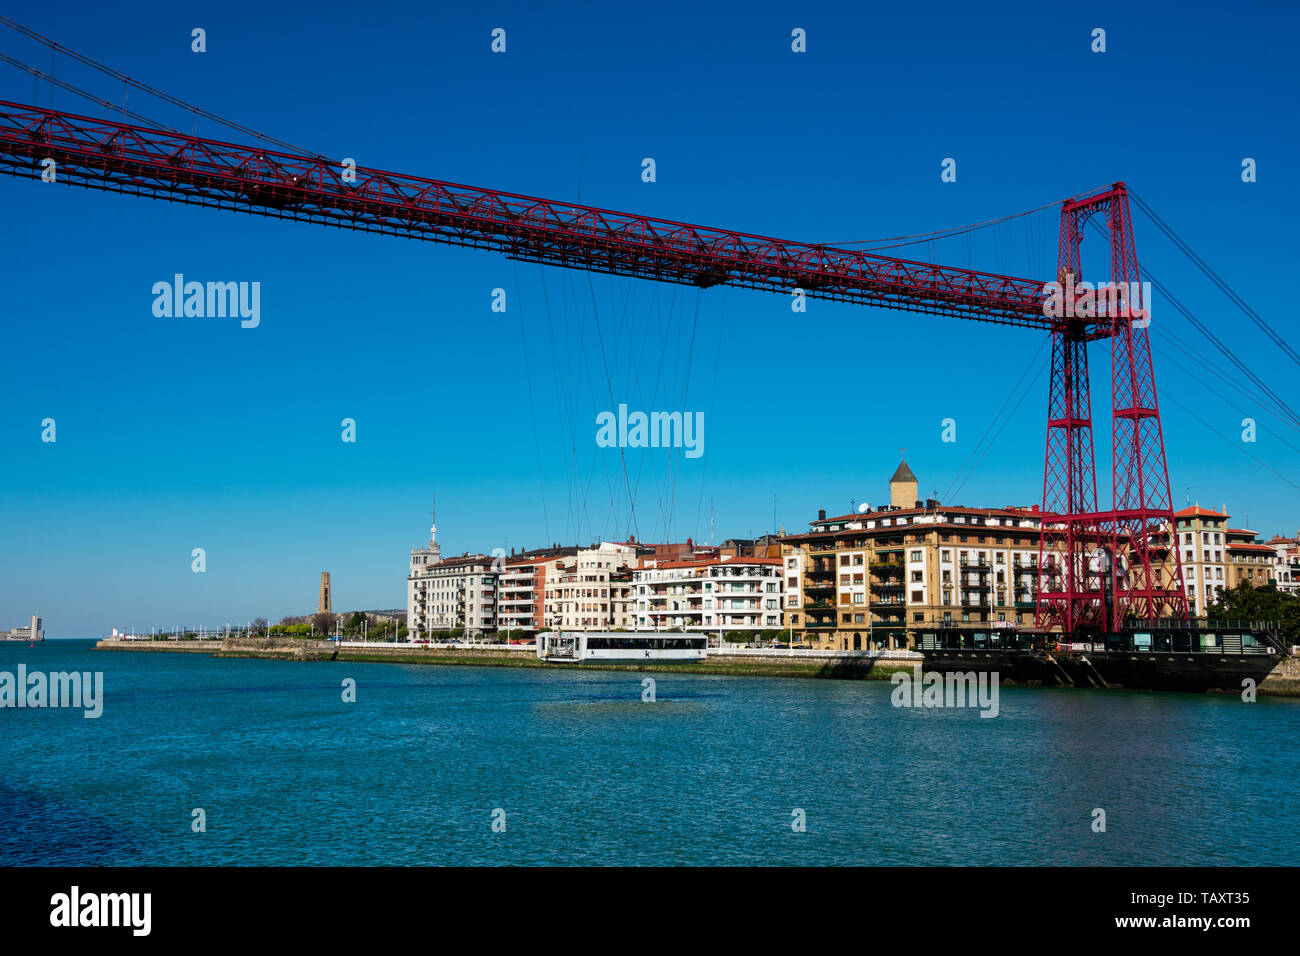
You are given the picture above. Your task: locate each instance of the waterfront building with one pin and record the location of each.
(715, 593)
(458, 592)
(34, 631)
(590, 592)
(1286, 563)
(1215, 557)
(861, 581)
(444, 594)
(521, 587)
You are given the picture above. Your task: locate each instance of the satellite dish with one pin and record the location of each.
(864, 508)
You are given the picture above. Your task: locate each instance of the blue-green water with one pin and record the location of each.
(587, 773)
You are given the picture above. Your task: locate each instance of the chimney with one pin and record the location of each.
(821, 514)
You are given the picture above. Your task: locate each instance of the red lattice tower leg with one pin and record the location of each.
(1142, 518)
(1097, 568)
(1068, 594)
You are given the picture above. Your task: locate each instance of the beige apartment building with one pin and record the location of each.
(1215, 557)
(591, 591)
(861, 581)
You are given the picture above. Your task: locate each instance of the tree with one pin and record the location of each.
(259, 625)
(1248, 603)
(355, 622)
(323, 622)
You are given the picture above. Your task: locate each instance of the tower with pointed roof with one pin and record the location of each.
(903, 487)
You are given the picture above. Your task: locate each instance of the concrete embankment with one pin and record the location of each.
(1283, 680)
(773, 665)
(755, 665)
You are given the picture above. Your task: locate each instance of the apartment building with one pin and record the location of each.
(860, 581)
(521, 587)
(716, 593)
(591, 591)
(1286, 563)
(768, 546)
(458, 592)
(1215, 557)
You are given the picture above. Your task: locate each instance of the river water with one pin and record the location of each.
(578, 769)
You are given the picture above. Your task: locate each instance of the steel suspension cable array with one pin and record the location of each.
(1216, 341)
(1213, 276)
(91, 97)
(145, 88)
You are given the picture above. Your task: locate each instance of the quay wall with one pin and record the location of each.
(1283, 681)
(753, 664)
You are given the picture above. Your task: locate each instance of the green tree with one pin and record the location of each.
(1248, 603)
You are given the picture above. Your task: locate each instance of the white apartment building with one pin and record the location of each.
(711, 594)
(1286, 563)
(454, 593)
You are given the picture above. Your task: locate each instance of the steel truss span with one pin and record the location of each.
(1096, 567)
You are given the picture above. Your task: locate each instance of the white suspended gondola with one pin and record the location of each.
(628, 647)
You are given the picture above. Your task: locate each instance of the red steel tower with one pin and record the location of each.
(1097, 568)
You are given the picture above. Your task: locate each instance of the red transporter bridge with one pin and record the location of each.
(1096, 568)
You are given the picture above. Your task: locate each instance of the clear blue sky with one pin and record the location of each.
(182, 433)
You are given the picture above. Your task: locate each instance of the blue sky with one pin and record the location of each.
(182, 433)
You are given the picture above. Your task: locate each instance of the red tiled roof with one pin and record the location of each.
(1243, 546)
(1196, 511)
